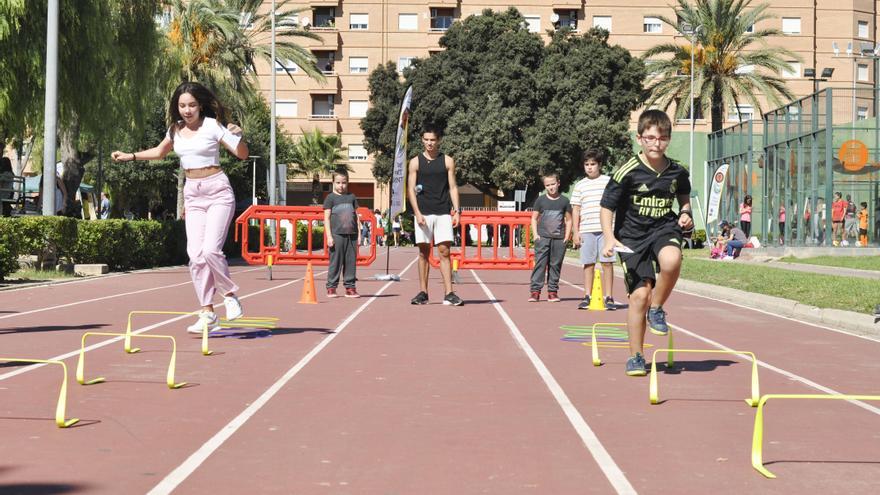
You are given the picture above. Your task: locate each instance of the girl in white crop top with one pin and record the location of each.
(195, 136)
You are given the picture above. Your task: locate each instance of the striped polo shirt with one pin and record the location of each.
(587, 194)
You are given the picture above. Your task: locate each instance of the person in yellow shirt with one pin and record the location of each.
(863, 224)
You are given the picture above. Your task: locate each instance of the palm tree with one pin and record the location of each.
(729, 67)
(218, 43)
(316, 154)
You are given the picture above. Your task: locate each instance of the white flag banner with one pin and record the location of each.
(718, 181)
(398, 175)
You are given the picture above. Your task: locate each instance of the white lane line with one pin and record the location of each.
(588, 437)
(763, 364)
(103, 298)
(139, 331)
(182, 472)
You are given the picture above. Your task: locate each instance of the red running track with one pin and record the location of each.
(374, 395)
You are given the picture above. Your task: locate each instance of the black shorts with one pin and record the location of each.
(641, 265)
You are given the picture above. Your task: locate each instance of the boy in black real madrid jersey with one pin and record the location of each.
(647, 232)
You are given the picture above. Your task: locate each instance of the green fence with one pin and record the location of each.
(796, 158)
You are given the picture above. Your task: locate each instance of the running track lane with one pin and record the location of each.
(698, 439)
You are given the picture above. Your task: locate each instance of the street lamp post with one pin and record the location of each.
(254, 180)
(691, 95)
(273, 171)
(51, 108)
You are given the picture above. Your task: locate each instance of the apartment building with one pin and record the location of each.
(358, 35)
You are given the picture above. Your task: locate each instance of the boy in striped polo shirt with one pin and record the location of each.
(585, 209)
(647, 232)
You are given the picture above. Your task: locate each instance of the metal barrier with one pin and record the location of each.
(269, 248)
(511, 223)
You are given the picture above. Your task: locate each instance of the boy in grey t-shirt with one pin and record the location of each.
(341, 222)
(551, 228)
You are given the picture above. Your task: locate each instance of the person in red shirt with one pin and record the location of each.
(838, 211)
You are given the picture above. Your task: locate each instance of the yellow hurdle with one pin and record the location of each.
(619, 345)
(62, 395)
(265, 322)
(81, 363)
(652, 387)
(758, 435)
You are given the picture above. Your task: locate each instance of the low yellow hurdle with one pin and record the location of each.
(753, 401)
(622, 345)
(62, 395)
(758, 435)
(246, 322)
(81, 362)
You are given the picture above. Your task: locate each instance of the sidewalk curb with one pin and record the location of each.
(845, 321)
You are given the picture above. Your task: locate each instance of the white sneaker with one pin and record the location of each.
(205, 317)
(233, 308)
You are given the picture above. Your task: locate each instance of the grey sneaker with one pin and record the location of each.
(635, 366)
(585, 304)
(452, 300)
(610, 305)
(657, 321)
(421, 298)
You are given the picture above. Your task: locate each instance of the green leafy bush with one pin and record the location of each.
(47, 236)
(8, 247)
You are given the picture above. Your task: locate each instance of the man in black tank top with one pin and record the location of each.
(433, 197)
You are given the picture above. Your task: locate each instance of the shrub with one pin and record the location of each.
(47, 237)
(8, 247)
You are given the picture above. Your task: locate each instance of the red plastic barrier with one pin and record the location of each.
(502, 257)
(257, 251)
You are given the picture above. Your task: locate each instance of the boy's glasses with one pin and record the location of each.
(655, 139)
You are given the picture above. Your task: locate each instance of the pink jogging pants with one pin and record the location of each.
(210, 205)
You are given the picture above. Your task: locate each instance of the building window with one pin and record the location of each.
(741, 112)
(403, 63)
(324, 17)
(359, 22)
(863, 29)
(323, 106)
(357, 152)
(358, 65)
(794, 112)
(441, 18)
(325, 61)
(791, 25)
(745, 69)
(698, 112)
(408, 22)
(863, 72)
(602, 21)
(795, 71)
(653, 25)
(533, 23)
(357, 108)
(286, 108)
(750, 29)
(862, 113)
(287, 66)
(566, 18)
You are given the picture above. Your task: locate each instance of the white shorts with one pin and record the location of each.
(437, 228)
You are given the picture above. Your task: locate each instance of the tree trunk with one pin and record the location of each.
(181, 179)
(72, 164)
(717, 108)
(316, 189)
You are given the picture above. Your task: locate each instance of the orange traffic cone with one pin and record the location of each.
(597, 302)
(308, 294)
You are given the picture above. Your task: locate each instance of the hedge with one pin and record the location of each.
(121, 244)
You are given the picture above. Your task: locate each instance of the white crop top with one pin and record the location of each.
(203, 149)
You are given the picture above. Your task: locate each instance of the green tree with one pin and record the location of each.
(105, 49)
(511, 107)
(316, 154)
(727, 42)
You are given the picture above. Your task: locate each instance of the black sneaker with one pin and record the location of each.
(585, 304)
(421, 298)
(452, 300)
(610, 305)
(635, 366)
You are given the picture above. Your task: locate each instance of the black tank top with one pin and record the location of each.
(432, 176)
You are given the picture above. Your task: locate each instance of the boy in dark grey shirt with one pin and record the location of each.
(343, 235)
(551, 228)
